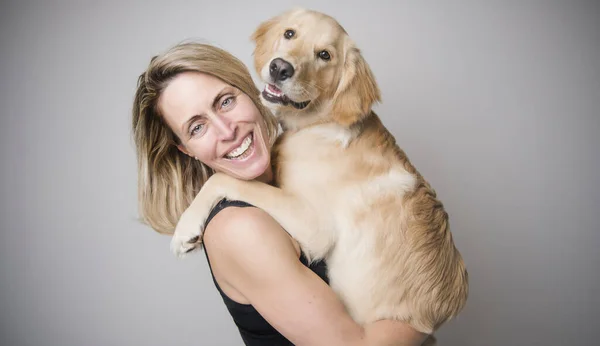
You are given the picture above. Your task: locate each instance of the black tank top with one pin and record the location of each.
(254, 329)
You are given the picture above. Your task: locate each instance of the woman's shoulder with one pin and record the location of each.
(240, 227)
(224, 204)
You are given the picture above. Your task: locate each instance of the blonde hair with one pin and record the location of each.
(168, 180)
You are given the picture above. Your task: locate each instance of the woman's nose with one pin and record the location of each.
(226, 129)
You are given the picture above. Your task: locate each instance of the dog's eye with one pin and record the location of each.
(289, 34)
(324, 55)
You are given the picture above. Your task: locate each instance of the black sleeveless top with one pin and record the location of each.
(254, 329)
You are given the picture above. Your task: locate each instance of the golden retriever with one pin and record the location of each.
(345, 190)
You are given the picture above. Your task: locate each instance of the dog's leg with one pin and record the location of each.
(290, 212)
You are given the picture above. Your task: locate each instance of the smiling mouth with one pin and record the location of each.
(273, 94)
(243, 150)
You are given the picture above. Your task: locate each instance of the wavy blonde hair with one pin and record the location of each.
(168, 180)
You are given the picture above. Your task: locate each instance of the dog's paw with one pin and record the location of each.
(188, 234)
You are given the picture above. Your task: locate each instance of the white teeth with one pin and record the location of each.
(270, 89)
(241, 149)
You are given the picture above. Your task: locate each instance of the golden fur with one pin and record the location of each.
(345, 190)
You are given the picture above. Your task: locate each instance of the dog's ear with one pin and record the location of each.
(261, 30)
(262, 45)
(357, 90)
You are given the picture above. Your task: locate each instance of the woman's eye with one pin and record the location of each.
(227, 102)
(197, 129)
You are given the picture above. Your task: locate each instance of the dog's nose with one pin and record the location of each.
(280, 70)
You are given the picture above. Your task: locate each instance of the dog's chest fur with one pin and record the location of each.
(341, 172)
(327, 159)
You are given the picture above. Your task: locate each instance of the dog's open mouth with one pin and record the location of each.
(275, 95)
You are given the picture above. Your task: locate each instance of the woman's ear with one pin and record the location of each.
(182, 148)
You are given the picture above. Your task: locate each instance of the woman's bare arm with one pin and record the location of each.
(255, 256)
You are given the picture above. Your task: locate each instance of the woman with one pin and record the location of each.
(197, 111)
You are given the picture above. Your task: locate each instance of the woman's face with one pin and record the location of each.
(217, 124)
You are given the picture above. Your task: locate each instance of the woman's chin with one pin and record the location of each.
(257, 169)
(247, 170)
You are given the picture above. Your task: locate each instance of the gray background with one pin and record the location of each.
(495, 102)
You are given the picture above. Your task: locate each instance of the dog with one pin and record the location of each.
(343, 187)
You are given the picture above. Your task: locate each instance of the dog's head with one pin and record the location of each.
(312, 69)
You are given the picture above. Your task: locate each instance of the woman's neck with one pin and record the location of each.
(267, 176)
